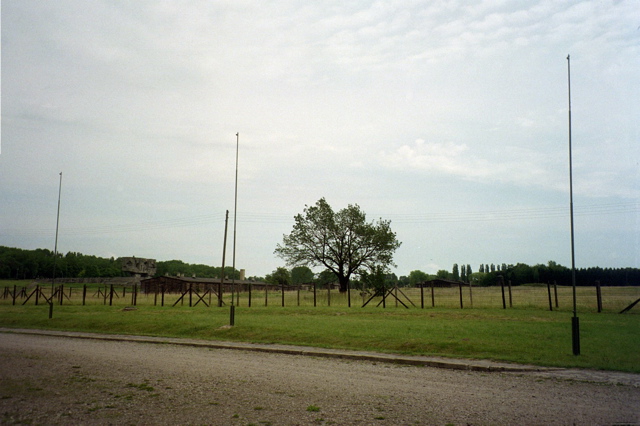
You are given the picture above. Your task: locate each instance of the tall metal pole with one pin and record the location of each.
(575, 323)
(235, 214)
(224, 254)
(55, 249)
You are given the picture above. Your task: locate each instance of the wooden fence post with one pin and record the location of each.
(314, 295)
(504, 302)
(266, 297)
(422, 296)
(549, 293)
(250, 288)
(510, 298)
(84, 294)
(111, 295)
(470, 295)
(460, 287)
(433, 296)
(395, 294)
(384, 297)
(599, 296)
(282, 285)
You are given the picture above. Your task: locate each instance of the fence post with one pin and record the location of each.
(549, 292)
(250, 288)
(460, 287)
(510, 298)
(384, 297)
(15, 289)
(299, 294)
(433, 296)
(84, 294)
(504, 302)
(328, 294)
(470, 295)
(266, 297)
(599, 296)
(111, 295)
(395, 293)
(282, 285)
(162, 296)
(422, 296)
(314, 295)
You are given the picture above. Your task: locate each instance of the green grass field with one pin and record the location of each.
(527, 332)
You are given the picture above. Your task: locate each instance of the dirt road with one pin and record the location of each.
(56, 380)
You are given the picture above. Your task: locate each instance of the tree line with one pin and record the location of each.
(18, 263)
(521, 273)
(22, 264)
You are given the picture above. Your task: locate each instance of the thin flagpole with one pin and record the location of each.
(235, 214)
(55, 248)
(575, 325)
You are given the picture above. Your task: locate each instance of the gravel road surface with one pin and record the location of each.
(60, 380)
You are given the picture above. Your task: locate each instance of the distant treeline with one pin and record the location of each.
(19, 264)
(552, 272)
(178, 267)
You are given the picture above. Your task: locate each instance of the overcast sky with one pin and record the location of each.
(449, 118)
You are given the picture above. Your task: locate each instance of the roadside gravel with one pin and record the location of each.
(61, 380)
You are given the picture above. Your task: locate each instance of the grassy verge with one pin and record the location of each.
(609, 341)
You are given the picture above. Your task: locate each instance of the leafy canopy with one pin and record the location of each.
(343, 242)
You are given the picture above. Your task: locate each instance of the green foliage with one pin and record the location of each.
(17, 263)
(301, 275)
(178, 267)
(280, 276)
(325, 278)
(343, 242)
(455, 274)
(444, 274)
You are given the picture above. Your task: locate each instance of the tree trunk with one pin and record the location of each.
(344, 284)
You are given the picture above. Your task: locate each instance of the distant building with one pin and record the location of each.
(138, 267)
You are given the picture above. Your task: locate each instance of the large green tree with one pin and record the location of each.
(301, 275)
(416, 277)
(343, 242)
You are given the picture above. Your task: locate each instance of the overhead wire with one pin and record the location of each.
(494, 215)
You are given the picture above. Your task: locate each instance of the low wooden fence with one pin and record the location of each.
(542, 296)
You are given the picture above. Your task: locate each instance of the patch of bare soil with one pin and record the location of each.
(54, 380)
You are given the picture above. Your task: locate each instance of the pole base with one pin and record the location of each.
(575, 335)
